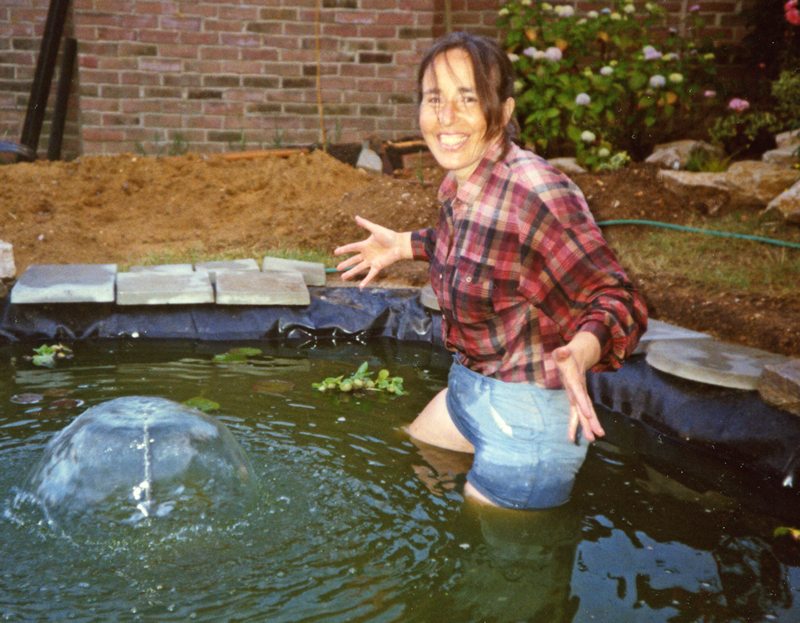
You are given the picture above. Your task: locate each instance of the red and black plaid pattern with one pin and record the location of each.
(519, 266)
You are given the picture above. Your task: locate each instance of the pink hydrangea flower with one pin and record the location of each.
(738, 104)
(709, 93)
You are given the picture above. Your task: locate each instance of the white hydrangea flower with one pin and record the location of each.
(513, 57)
(629, 8)
(503, 11)
(603, 152)
(583, 99)
(593, 14)
(676, 78)
(564, 10)
(657, 81)
(587, 136)
(606, 70)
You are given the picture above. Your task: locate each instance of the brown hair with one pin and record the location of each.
(494, 78)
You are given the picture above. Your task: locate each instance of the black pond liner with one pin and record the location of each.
(710, 438)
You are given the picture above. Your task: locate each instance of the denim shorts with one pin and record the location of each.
(523, 457)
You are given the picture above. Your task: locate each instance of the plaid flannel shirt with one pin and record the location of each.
(519, 266)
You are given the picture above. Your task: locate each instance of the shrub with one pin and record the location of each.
(744, 132)
(786, 91)
(601, 73)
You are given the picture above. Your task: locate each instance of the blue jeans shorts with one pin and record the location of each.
(523, 457)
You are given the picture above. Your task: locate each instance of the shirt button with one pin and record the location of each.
(468, 280)
(441, 275)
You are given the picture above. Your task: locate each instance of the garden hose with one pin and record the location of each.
(697, 230)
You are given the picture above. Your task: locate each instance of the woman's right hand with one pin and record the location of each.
(382, 248)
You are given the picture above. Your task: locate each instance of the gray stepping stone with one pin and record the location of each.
(659, 331)
(428, 298)
(712, 362)
(167, 269)
(255, 288)
(156, 288)
(313, 272)
(217, 267)
(65, 283)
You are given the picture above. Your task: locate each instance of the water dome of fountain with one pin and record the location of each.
(137, 457)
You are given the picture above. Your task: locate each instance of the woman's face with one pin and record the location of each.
(450, 116)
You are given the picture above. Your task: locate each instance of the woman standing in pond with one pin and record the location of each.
(531, 296)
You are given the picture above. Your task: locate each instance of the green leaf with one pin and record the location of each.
(202, 404)
(362, 369)
(237, 355)
(637, 80)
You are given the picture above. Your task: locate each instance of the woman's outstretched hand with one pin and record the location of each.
(573, 360)
(382, 248)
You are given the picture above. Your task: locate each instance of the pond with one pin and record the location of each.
(354, 522)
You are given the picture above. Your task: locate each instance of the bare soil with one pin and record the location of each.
(132, 209)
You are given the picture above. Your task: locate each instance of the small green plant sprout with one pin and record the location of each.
(46, 355)
(237, 355)
(202, 404)
(361, 380)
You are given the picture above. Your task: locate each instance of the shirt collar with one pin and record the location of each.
(468, 191)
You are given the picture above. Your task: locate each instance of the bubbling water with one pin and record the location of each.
(137, 457)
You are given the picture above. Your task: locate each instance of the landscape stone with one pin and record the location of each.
(7, 267)
(658, 330)
(675, 155)
(749, 182)
(256, 288)
(783, 156)
(712, 362)
(160, 288)
(786, 206)
(428, 298)
(788, 139)
(220, 266)
(779, 385)
(313, 272)
(568, 166)
(65, 283)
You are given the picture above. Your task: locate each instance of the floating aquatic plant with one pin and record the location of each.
(46, 355)
(361, 380)
(237, 355)
(202, 404)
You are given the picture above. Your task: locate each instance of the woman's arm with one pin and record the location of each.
(382, 248)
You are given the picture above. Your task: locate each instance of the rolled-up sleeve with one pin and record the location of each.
(571, 274)
(422, 243)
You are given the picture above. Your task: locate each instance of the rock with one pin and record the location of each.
(779, 385)
(788, 139)
(786, 206)
(749, 182)
(765, 181)
(675, 155)
(568, 166)
(783, 156)
(7, 267)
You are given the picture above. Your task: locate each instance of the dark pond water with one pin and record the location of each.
(353, 522)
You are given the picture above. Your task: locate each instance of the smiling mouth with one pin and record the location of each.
(452, 141)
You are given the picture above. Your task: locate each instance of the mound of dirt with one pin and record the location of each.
(131, 209)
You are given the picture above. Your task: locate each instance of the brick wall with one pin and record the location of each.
(222, 74)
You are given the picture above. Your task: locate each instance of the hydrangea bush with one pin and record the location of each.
(601, 82)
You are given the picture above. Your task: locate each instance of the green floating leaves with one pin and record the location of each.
(46, 355)
(781, 531)
(202, 404)
(361, 380)
(235, 355)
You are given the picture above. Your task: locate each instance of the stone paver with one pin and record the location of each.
(658, 330)
(712, 362)
(7, 267)
(256, 288)
(428, 298)
(313, 272)
(157, 288)
(65, 283)
(217, 267)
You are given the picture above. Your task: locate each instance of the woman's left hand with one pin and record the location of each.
(573, 360)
